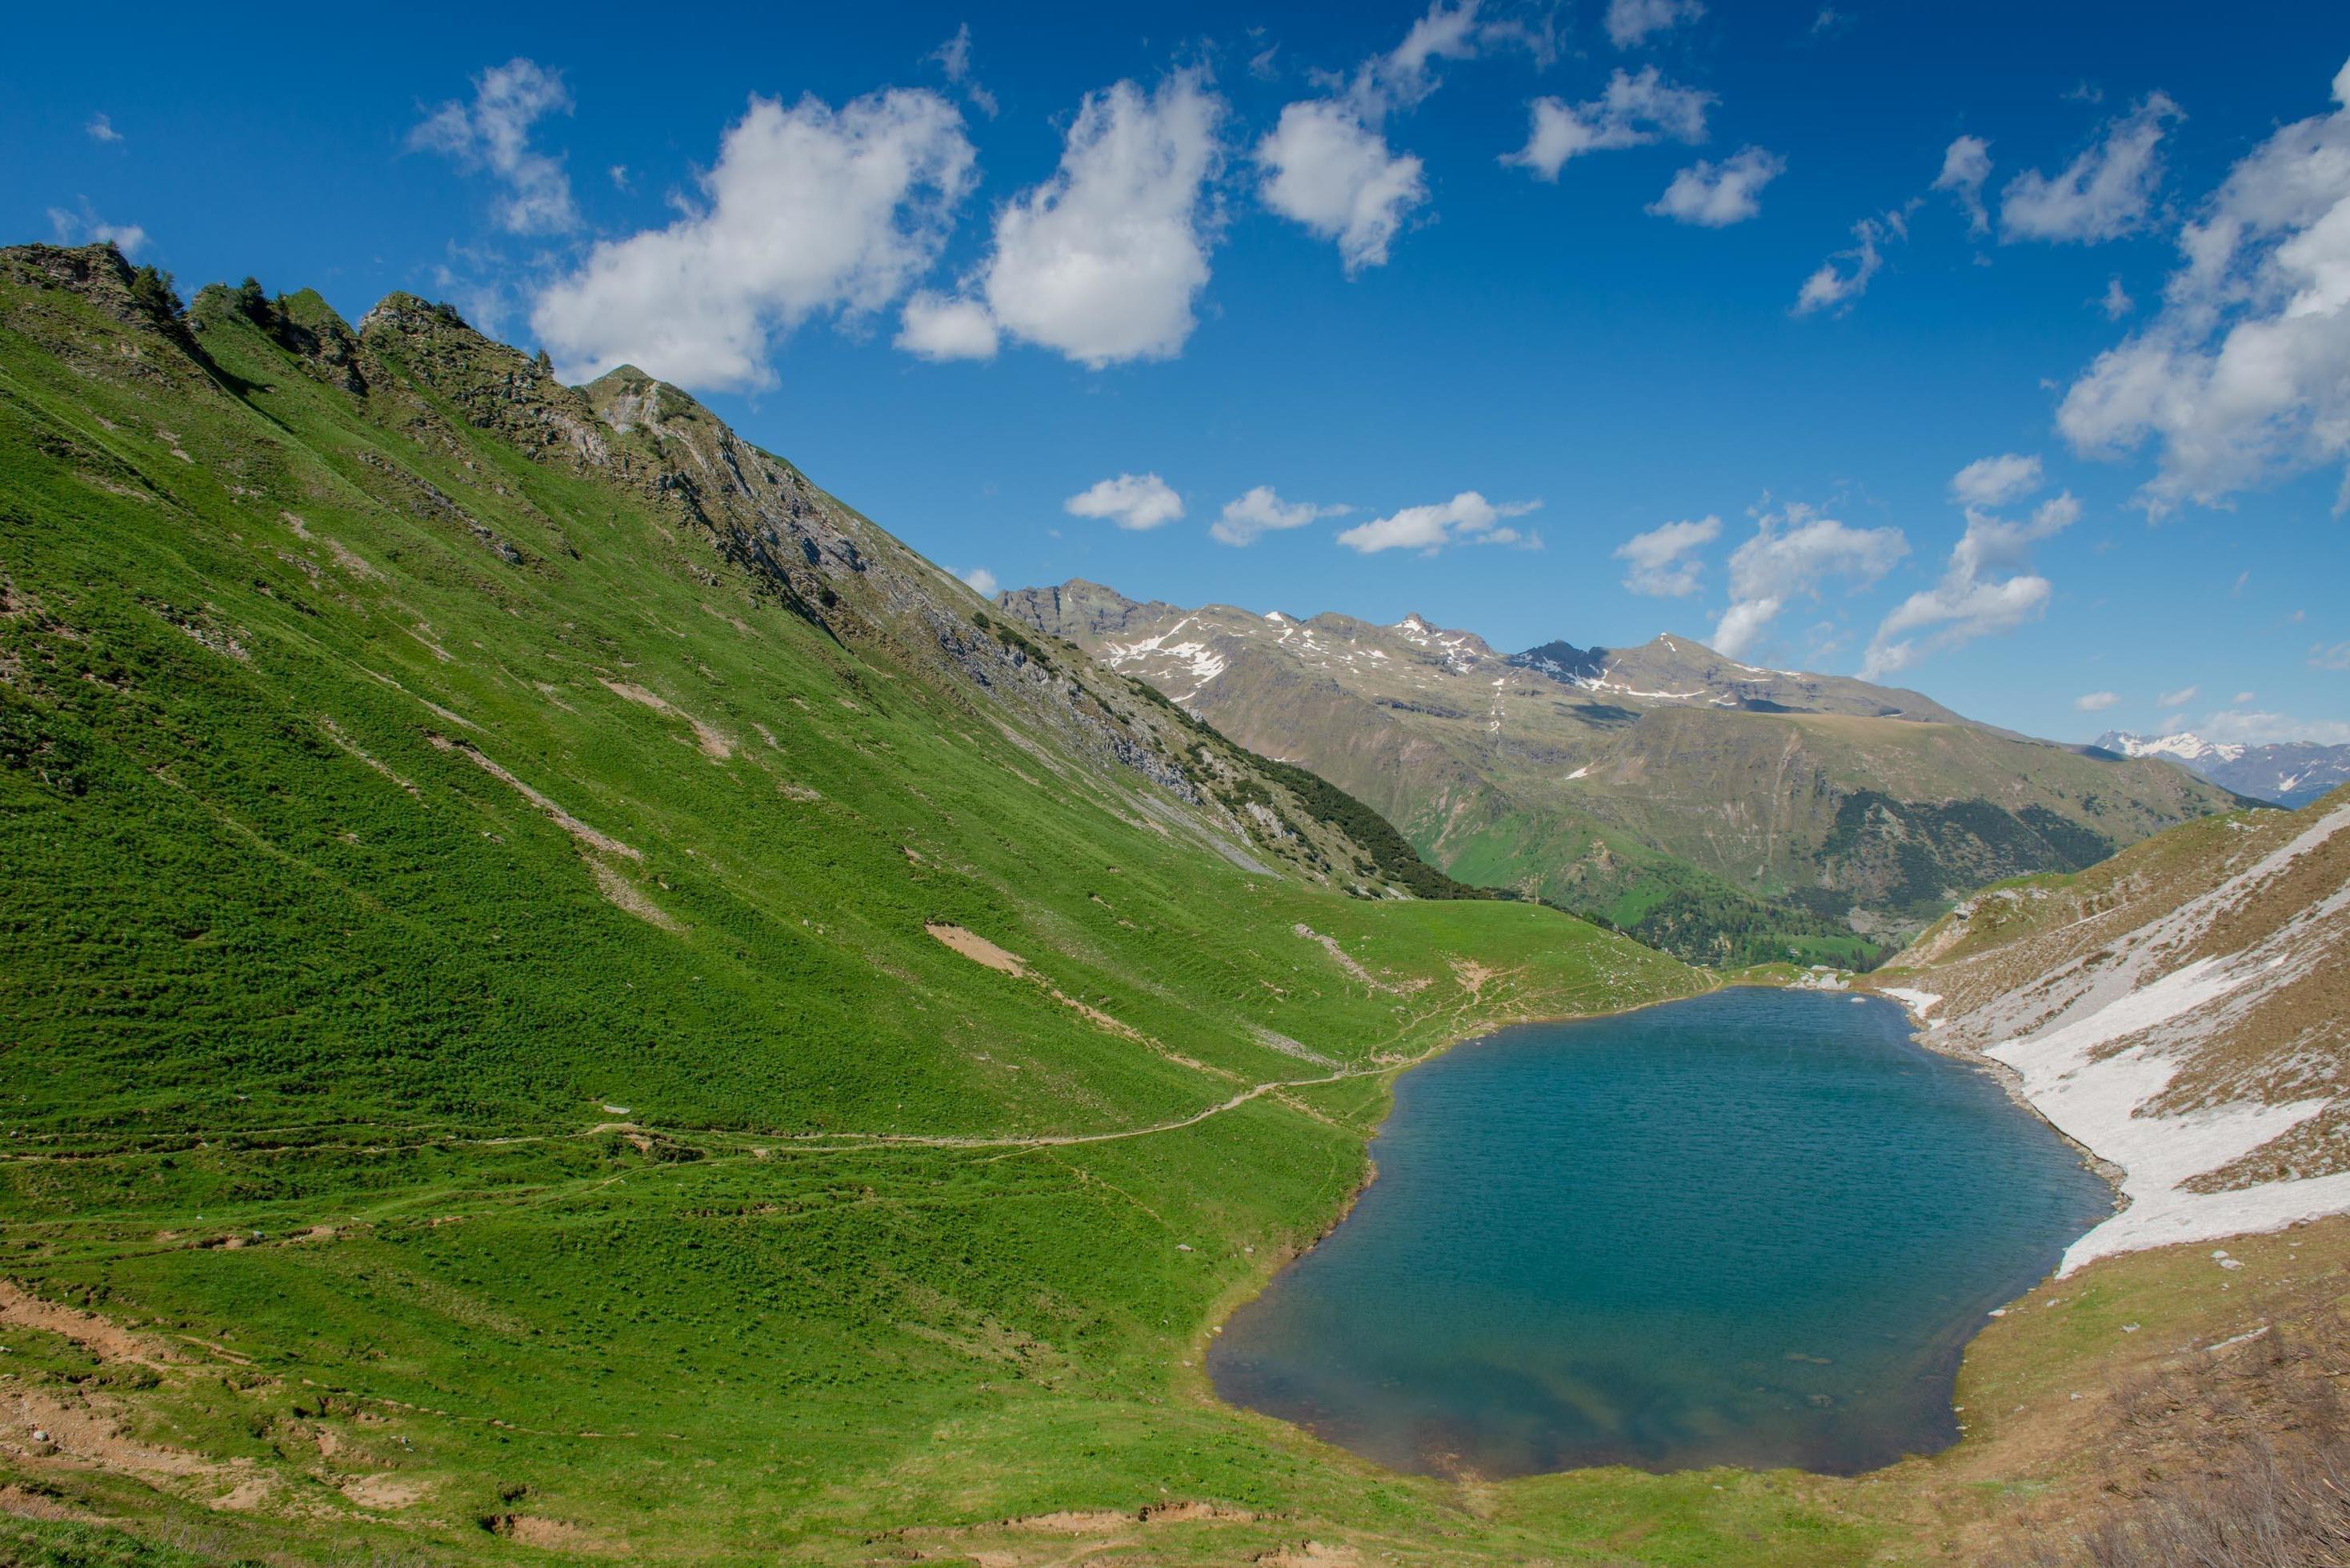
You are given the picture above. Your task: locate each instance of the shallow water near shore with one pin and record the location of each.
(1756, 1228)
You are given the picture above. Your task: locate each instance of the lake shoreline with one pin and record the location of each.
(2009, 1080)
(1701, 1134)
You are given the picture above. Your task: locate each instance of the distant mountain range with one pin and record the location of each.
(2291, 773)
(1726, 812)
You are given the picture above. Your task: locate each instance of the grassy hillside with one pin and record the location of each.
(544, 951)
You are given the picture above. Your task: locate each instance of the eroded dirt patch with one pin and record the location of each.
(715, 743)
(103, 1337)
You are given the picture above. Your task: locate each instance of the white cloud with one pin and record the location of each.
(1629, 22)
(1996, 481)
(953, 57)
(1448, 32)
(2095, 702)
(101, 129)
(1261, 511)
(2238, 378)
(810, 211)
(981, 581)
(1326, 163)
(1663, 561)
(1634, 110)
(1715, 196)
(2107, 191)
(1834, 287)
(2116, 302)
(1134, 502)
(494, 134)
(1101, 262)
(2242, 698)
(1467, 519)
(2257, 729)
(2323, 658)
(937, 328)
(1324, 167)
(86, 227)
(1966, 164)
(1986, 590)
(2179, 699)
(619, 173)
(1791, 555)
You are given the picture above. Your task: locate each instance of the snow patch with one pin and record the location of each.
(2094, 1102)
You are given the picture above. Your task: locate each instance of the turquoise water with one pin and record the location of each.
(1756, 1229)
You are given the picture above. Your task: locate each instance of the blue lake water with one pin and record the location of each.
(1755, 1228)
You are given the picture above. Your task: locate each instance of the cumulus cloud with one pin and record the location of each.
(1714, 195)
(937, 328)
(2179, 699)
(1988, 588)
(1662, 561)
(1996, 481)
(2107, 191)
(2115, 302)
(1260, 512)
(953, 58)
(1966, 164)
(810, 211)
(1467, 519)
(101, 129)
(493, 133)
(1326, 168)
(86, 227)
(1135, 501)
(1843, 276)
(1630, 22)
(1326, 163)
(1634, 110)
(1102, 262)
(981, 581)
(1794, 553)
(2095, 702)
(2237, 377)
(1448, 32)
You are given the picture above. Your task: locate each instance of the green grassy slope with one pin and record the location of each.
(471, 1006)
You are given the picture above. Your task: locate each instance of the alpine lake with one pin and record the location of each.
(1756, 1229)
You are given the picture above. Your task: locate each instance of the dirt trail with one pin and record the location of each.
(979, 951)
(106, 1340)
(562, 818)
(715, 743)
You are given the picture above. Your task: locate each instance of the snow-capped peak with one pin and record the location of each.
(2185, 746)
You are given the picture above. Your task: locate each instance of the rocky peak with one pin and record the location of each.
(1079, 611)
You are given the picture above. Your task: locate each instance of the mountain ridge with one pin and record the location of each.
(2291, 773)
(1731, 813)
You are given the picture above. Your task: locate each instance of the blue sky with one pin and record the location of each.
(1599, 319)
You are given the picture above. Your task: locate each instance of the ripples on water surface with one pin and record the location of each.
(1754, 1228)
